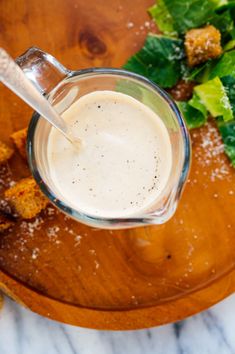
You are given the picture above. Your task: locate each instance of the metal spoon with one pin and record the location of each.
(14, 78)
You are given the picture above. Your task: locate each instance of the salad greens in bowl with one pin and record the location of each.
(194, 60)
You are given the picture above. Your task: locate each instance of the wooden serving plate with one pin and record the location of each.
(113, 279)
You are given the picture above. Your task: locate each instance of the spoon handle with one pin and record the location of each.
(15, 79)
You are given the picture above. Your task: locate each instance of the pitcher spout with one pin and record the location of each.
(42, 69)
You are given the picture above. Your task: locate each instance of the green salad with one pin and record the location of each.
(197, 47)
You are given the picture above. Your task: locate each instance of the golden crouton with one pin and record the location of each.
(5, 223)
(19, 139)
(182, 91)
(26, 198)
(202, 44)
(5, 152)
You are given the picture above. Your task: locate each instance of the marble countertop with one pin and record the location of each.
(211, 332)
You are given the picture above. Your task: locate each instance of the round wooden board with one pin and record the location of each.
(112, 279)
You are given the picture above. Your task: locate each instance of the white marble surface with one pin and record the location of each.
(211, 332)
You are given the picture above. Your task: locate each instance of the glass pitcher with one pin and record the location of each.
(63, 87)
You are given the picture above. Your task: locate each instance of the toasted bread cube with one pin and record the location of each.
(26, 198)
(5, 152)
(19, 139)
(182, 91)
(202, 44)
(5, 223)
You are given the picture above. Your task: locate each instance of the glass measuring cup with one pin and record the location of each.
(63, 87)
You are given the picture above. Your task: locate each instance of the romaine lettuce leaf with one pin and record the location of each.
(196, 103)
(228, 5)
(227, 131)
(226, 26)
(221, 3)
(177, 16)
(232, 9)
(189, 14)
(213, 95)
(232, 33)
(229, 45)
(225, 66)
(194, 112)
(159, 60)
(201, 73)
(162, 17)
(223, 23)
(229, 85)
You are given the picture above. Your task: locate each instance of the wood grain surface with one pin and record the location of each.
(112, 279)
(1, 301)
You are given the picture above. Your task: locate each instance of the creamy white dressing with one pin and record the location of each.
(124, 161)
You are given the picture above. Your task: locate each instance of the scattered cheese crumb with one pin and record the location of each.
(130, 25)
(35, 253)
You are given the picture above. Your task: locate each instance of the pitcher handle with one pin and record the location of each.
(42, 69)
